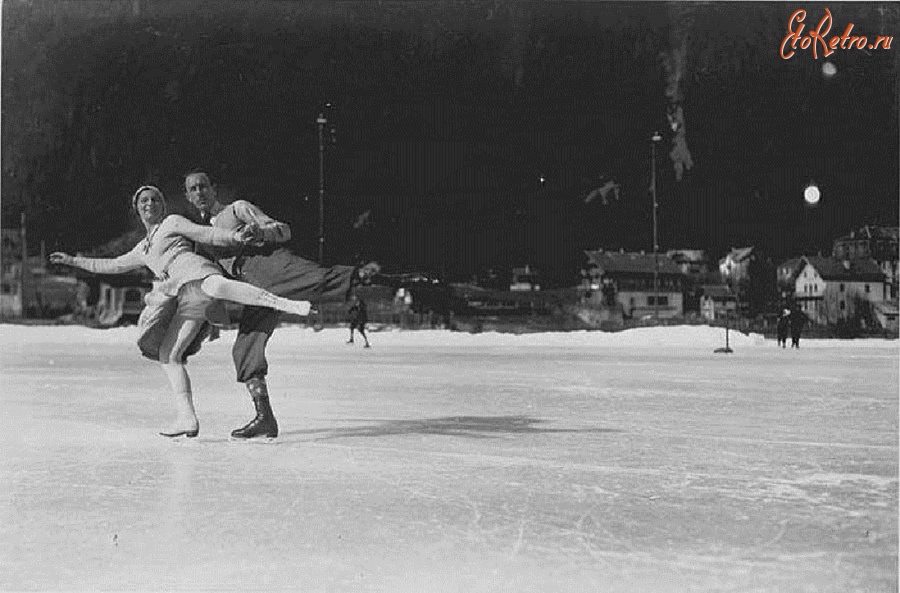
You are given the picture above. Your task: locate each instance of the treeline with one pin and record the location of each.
(99, 97)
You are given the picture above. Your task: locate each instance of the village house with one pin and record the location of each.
(829, 290)
(786, 278)
(716, 301)
(749, 274)
(630, 278)
(30, 288)
(873, 242)
(525, 278)
(735, 265)
(886, 313)
(694, 264)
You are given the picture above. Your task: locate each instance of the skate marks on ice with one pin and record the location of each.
(475, 427)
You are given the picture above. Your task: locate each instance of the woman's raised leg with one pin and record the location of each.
(220, 287)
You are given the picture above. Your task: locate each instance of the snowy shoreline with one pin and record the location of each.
(686, 336)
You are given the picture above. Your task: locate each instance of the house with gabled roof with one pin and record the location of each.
(877, 243)
(735, 265)
(786, 277)
(716, 301)
(629, 276)
(748, 271)
(829, 289)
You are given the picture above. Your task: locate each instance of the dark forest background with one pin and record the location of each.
(447, 116)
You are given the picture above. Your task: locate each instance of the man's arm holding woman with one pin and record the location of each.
(268, 230)
(207, 235)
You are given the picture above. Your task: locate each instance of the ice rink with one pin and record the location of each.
(438, 461)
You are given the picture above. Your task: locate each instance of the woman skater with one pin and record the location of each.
(168, 251)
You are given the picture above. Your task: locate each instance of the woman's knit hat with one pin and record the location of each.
(143, 188)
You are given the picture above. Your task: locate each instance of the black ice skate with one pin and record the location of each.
(263, 425)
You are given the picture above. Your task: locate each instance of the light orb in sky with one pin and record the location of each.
(811, 194)
(829, 69)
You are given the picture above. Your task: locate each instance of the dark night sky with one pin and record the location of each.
(447, 114)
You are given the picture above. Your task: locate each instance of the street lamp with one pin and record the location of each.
(321, 121)
(654, 139)
(730, 296)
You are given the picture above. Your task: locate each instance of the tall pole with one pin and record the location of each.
(321, 121)
(24, 270)
(654, 139)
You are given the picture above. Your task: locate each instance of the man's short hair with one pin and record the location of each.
(197, 171)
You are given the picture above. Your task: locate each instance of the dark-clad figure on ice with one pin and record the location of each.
(357, 316)
(783, 327)
(798, 322)
(266, 264)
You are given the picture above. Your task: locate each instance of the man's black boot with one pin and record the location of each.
(264, 424)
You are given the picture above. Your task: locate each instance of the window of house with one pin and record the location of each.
(663, 301)
(816, 287)
(843, 305)
(841, 287)
(867, 288)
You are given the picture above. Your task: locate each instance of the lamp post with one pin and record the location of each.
(321, 121)
(653, 140)
(729, 280)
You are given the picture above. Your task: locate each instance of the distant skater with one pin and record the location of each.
(798, 322)
(783, 327)
(358, 316)
(187, 286)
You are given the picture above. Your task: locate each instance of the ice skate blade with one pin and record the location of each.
(256, 439)
(188, 433)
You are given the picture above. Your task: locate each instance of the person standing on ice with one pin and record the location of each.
(358, 316)
(798, 322)
(272, 266)
(782, 327)
(185, 290)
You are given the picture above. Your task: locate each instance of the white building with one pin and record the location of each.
(828, 289)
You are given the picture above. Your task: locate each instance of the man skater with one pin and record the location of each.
(358, 317)
(798, 322)
(267, 265)
(784, 323)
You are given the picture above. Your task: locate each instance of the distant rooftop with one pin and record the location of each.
(832, 268)
(631, 263)
(739, 254)
(873, 232)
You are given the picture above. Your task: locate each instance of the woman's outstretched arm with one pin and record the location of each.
(132, 260)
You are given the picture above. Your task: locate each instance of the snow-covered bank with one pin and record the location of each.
(686, 336)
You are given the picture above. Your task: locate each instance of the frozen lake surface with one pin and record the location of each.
(638, 461)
